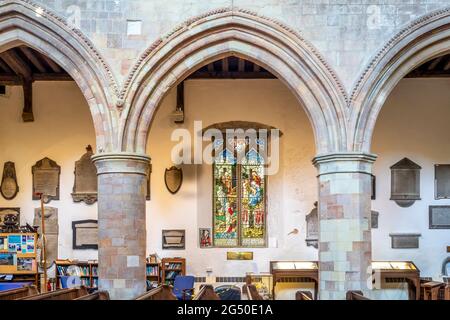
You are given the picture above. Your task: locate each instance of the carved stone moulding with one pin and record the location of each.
(85, 184)
(312, 228)
(9, 187)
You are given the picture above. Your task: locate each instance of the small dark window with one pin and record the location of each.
(2, 90)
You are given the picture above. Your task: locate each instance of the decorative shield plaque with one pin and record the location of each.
(46, 180)
(6, 211)
(9, 187)
(85, 185)
(85, 234)
(173, 178)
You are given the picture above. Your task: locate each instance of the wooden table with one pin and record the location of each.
(295, 269)
(400, 269)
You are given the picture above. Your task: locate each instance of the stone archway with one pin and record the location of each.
(420, 41)
(26, 23)
(226, 32)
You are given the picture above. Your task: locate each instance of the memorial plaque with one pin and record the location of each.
(148, 197)
(85, 234)
(442, 181)
(405, 182)
(173, 178)
(374, 219)
(405, 240)
(51, 231)
(373, 195)
(9, 187)
(312, 228)
(46, 180)
(5, 211)
(85, 185)
(439, 217)
(173, 239)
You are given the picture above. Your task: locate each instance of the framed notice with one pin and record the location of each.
(46, 180)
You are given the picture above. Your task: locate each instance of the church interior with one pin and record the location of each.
(224, 230)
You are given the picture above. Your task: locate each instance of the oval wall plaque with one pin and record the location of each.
(9, 187)
(173, 178)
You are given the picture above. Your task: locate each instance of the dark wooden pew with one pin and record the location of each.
(252, 293)
(303, 295)
(447, 292)
(162, 292)
(432, 289)
(206, 293)
(63, 294)
(355, 295)
(14, 294)
(97, 295)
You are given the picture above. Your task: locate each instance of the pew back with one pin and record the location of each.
(206, 293)
(14, 294)
(162, 292)
(303, 295)
(355, 295)
(252, 292)
(98, 295)
(63, 294)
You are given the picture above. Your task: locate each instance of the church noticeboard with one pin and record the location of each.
(85, 185)
(46, 180)
(85, 234)
(9, 187)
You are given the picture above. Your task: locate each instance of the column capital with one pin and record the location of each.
(344, 162)
(121, 162)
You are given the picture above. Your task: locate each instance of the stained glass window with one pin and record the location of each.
(239, 199)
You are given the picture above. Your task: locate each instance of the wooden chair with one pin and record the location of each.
(162, 292)
(355, 295)
(252, 293)
(431, 290)
(63, 294)
(303, 295)
(98, 295)
(14, 294)
(206, 293)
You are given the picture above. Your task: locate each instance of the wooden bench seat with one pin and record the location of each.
(14, 294)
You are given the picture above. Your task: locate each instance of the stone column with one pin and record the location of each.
(121, 221)
(345, 251)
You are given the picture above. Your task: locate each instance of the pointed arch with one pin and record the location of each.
(26, 23)
(241, 33)
(420, 41)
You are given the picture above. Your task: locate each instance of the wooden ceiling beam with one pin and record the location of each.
(16, 63)
(241, 65)
(33, 59)
(52, 77)
(55, 68)
(5, 67)
(10, 80)
(434, 63)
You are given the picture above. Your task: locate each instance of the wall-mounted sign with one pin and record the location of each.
(9, 187)
(85, 185)
(405, 240)
(405, 182)
(231, 255)
(173, 239)
(439, 217)
(46, 180)
(85, 234)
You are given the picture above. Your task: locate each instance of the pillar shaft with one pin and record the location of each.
(344, 223)
(121, 223)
